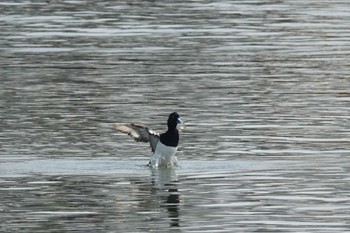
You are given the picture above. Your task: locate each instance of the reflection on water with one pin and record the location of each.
(164, 182)
(82, 202)
(255, 193)
(263, 86)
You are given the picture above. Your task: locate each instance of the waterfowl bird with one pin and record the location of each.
(164, 146)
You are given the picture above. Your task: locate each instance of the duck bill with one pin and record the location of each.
(179, 121)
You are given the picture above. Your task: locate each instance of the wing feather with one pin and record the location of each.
(139, 133)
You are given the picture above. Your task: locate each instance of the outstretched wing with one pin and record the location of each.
(139, 133)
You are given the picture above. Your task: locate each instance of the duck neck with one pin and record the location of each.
(171, 128)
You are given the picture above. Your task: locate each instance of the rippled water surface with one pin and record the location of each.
(262, 85)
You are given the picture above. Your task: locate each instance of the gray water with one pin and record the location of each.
(262, 85)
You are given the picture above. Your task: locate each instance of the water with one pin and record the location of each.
(262, 85)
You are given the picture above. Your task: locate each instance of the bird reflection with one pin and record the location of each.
(172, 205)
(164, 182)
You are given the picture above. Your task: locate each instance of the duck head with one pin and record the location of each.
(174, 120)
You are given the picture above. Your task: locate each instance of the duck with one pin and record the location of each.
(163, 146)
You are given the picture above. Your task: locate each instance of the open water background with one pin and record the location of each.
(263, 87)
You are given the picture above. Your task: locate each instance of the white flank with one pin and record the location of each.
(164, 156)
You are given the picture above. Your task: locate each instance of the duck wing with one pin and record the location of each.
(139, 133)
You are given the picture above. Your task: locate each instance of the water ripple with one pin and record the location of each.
(262, 85)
